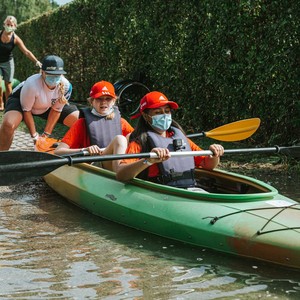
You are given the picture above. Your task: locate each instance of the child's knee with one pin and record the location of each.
(121, 140)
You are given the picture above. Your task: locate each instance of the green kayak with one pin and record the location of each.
(240, 215)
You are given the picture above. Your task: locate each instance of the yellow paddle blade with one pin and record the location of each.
(235, 131)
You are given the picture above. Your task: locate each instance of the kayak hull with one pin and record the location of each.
(258, 223)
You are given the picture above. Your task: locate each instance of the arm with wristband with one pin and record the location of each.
(51, 121)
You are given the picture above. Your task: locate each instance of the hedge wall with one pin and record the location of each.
(220, 60)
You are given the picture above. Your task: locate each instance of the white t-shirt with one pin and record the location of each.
(38, 98)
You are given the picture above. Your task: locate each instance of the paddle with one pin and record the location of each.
(22, 166)
(235, 131)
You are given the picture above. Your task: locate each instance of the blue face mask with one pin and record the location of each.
(162, 122)
(9, 28)
(52, 80)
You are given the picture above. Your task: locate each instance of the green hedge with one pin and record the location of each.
(220, 60)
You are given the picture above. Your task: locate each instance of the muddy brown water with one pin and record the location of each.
(50, 249)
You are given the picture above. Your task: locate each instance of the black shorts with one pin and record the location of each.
(13, 103)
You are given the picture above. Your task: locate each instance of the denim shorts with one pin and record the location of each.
(7, 70)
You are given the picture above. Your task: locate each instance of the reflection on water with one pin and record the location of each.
(50, 249)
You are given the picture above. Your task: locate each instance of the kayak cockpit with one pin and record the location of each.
(218, 184)
(222, 182)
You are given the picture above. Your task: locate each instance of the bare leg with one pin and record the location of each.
(10, 123)
(1, 100)
(1, 95)
(8, 89)
(117, 146)
(71, 118)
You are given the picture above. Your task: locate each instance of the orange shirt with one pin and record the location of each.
(153, 170)
(77, 136)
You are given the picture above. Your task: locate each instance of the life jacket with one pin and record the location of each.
(101, 130)
(176, 171)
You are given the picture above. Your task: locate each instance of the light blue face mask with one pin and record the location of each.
(162, 122)
(9, 28)
(52, 80)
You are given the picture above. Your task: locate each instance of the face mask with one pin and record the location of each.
(52, 80)
(95, 113)
(9, 28)
(162, 122)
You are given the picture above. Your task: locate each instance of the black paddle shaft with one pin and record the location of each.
(22, 166)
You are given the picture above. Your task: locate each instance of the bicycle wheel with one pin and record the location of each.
(129, 94)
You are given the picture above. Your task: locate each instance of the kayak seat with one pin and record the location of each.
(219, 183)
(215, 186)
(208, 184)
